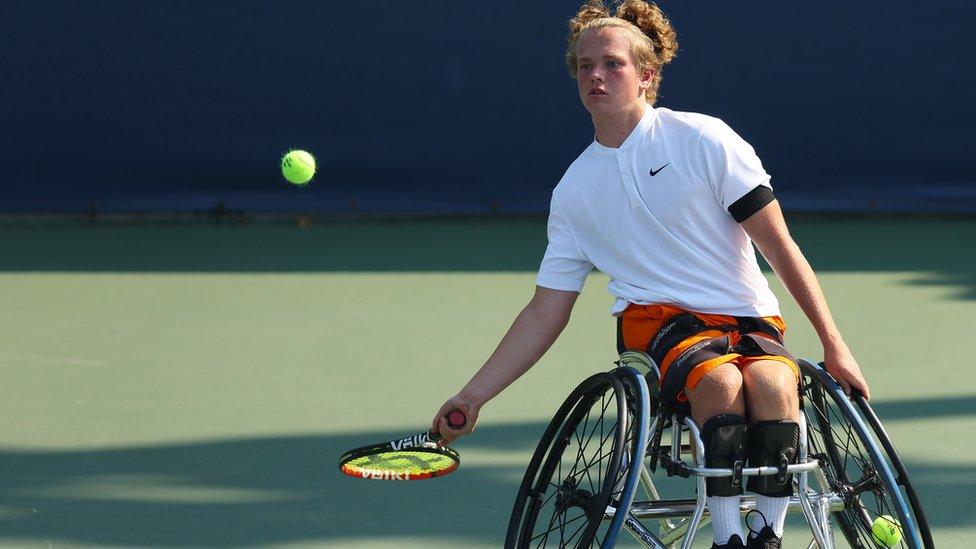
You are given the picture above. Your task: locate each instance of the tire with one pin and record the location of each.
(856, 466)
(579, 468)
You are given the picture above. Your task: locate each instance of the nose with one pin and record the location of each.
(596, 76)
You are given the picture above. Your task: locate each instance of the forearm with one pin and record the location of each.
(798, 277)
(768, 231)
(530, 336)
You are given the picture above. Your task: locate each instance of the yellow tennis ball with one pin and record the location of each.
(298, 167)
(886, 531)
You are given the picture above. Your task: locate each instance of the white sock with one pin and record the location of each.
(726, 520)
(773, 514)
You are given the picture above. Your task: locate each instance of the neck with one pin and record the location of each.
(612, 129)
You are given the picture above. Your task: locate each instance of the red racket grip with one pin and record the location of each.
(456, 419)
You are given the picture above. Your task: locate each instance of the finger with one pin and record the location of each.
(448, 435)
(435, 426)
(862, 387)
(844, 385)
(444, 409)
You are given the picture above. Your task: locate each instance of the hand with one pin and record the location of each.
(840, 363)
(439, 423)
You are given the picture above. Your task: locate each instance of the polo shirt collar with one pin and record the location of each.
(635, 135)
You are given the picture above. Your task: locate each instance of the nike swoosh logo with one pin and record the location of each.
(655, 172)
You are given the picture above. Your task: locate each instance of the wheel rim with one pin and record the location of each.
(578, 476)
(635, 447)
(902, 479)
(848, 466)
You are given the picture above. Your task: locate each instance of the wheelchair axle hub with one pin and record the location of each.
(569, 495)
(851, 490)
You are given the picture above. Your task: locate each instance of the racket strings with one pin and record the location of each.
(414, 463)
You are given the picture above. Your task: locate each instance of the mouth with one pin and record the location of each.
(597, 91)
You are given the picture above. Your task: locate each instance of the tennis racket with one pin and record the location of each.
(409, 458)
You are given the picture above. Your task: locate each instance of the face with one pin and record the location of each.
(608, 79)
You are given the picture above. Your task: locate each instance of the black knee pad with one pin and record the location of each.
(773, 443)
(724, 437)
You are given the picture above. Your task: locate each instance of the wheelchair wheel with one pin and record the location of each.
(856, 467)
(579, 468)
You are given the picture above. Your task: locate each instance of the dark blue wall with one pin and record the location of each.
(451, 106)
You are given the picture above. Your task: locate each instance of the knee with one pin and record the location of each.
(718, 392)
(769, 378)
(725, 379)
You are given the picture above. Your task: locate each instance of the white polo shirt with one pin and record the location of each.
(653, 215)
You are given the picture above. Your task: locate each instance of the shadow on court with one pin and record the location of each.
(944, 407)
(276, 490)
(931, 246)
(251, 492)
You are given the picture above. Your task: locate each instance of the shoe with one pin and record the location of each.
(766, 539)
(735, 542)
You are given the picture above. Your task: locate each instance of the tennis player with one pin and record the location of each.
(669, 205)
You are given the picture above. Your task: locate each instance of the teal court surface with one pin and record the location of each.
(192, 385)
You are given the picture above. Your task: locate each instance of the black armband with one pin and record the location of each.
(752, 202)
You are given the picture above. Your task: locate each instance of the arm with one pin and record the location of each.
(768, 231)
(530, 336)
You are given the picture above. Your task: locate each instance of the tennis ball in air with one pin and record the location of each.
(886, 531)
(298, 167)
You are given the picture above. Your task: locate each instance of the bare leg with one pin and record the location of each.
(719, 392)
(770, 391)
(771, 395)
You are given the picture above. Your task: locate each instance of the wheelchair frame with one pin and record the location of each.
(680, 519)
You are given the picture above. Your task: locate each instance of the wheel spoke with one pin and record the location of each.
(584, 438)
(581, 463)
(580, 455)
(560, 526)
(545, 535)
(599, 473)
(580, 528)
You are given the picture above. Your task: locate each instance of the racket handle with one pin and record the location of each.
(456, 419)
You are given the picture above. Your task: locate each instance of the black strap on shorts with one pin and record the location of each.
(684, 325)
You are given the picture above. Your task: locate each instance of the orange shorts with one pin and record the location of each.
(639, 325)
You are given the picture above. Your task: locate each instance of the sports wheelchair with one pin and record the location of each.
(608, 438)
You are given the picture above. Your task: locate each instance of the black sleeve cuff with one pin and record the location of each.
(752, 202)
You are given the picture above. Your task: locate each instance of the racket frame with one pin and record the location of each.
(421, 442)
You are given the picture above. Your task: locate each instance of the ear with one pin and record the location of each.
(646, 78)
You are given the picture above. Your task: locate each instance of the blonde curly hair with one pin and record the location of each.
(653, 43)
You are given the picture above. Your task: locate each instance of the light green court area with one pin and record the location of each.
(194, 385)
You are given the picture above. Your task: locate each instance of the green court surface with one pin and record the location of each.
(193, 385)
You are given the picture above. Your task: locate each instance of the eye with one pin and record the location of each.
(613, 64)
(584, 67)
